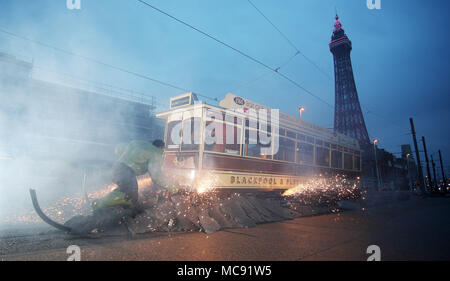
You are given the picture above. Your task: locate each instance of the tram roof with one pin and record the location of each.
(237, 106)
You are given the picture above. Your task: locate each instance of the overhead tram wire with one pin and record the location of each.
(308, 59)
(102, 63)
(289, 41)
(236, 50)
(265, 74)
(276, 70)
(368, 111)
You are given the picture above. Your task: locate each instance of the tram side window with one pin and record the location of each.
(232, 139)
(357, 163)
(191, 134)
(286, 150)
(322, 156)
(336, 159)
(230, 143)
(215, 136)
(173, 135)
(348, 161)
(305, 153)
(253, 146)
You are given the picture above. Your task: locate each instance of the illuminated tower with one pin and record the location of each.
(348, 117)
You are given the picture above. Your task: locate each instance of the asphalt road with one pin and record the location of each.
(418, 229)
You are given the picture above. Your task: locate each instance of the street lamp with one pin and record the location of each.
(376, 163)
(301, 109)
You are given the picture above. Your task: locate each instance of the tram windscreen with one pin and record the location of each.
(173, 135)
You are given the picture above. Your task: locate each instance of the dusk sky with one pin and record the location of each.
(400, 54)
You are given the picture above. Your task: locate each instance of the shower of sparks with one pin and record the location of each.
(206, 184)
(325, 190)
(68, 207)
(196, 198)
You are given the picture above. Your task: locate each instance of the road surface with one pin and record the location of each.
(417, 229)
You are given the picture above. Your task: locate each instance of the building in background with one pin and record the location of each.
(45, 126)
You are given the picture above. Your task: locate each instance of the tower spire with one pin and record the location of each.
(348, 117)
(337, 24)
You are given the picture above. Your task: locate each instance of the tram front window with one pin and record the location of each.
(173, 135)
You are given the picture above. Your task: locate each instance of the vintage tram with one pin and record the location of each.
(220, 146)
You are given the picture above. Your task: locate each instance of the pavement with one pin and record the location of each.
(416, 229)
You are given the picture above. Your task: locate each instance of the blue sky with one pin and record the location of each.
(399, 56)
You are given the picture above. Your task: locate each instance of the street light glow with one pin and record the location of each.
(300, 110)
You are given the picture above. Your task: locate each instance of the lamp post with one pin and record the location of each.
(376, 163)
(301, 109)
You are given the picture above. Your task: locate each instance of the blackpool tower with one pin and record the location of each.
(348, 117)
